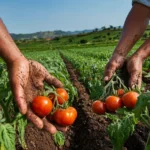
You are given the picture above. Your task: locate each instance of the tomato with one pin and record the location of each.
(62, 95)
(113, 103)
(65, 117)
(129, 99)
(99, 107)
(41, 106)
(120, 92)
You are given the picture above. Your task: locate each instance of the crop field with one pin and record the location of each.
(81, 70)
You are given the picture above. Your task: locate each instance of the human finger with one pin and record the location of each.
(34, 119)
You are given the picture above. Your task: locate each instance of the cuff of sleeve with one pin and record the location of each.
(143, 2)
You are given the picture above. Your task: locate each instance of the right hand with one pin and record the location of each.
(27, 78)
(134, 67)
(115, 62)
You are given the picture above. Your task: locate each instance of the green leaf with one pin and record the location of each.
(142, 103)
(7, 136)
(59, 138)
(120, 130)
(21, 125)
(2, 147)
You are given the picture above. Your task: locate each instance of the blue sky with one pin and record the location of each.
(28, 16)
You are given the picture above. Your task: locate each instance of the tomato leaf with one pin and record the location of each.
(142, 103)
(59, 138)
(2, 147)
(21, 124)
(121, 129)
(7, 136)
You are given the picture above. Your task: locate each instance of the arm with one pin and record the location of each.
(8, 49)
(134, 64)
(134, 27)
(26, 79)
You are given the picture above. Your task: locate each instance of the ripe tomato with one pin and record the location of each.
(41, 105)
(62, 95)
(120, 92)
(65, 117)
(99, 107)
(129, 99)
(113, 103)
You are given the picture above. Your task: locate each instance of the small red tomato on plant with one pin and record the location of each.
(41, 106)
(62, 95)
(65, 117)
(113, 103)
(130, 98)
(120, 92)
(98, 107)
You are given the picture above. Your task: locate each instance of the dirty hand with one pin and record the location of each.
(134, 67)
(115, 62)
(26, 78)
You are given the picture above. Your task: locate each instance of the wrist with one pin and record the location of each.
(18, 58)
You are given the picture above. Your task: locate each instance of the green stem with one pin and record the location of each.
(117, 147)
(147, 147)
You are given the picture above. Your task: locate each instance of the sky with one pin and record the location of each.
(29, 16)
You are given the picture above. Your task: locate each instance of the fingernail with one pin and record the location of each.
(106, 78)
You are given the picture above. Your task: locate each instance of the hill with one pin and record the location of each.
(46, 34)
(106, 36)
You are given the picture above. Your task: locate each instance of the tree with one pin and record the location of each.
(111, 27)
(108, 33)
(83, 41)
(95, 30)
(103, 28)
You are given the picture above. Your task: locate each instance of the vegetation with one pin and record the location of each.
(88, 53)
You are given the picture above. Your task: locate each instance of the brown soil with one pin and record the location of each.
(88, 131)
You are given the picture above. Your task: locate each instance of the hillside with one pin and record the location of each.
(95, 38)
(46, 34)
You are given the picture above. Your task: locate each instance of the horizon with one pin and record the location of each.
(25, 17)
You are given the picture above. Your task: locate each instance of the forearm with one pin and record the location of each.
(144, 51)
(8, 49)
(134, 27)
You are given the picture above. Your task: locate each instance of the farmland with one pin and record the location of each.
(80, 68)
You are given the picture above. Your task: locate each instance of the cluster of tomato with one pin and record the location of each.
(112, 103)
(43, 106)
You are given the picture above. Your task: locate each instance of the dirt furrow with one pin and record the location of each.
(89, 130)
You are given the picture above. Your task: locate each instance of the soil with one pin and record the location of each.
(89, 130)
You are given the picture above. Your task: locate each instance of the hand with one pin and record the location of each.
(134, 67)
(26, 78)
(114, 63)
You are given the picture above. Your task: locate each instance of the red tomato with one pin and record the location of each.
(113, 103)
(99, 107)
(62, 95)
(65, 117)
(120, 92)
(129, 99)
(41, 105)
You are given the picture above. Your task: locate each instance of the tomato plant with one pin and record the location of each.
(62, 95)
(65, 117)
(129, 99)
(113, 103)
(99, 107)
(120, 92)
(42, 105)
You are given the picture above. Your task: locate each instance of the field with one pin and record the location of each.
(80, 68)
